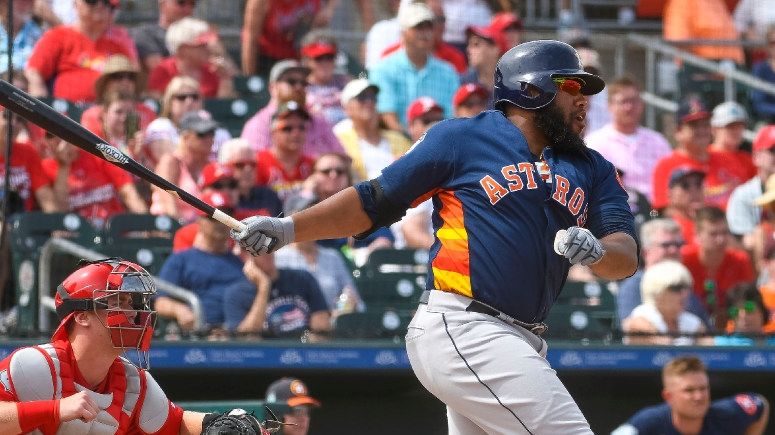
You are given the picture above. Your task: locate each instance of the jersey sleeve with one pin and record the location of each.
(608, 211)
(739, 411)
(428, 165)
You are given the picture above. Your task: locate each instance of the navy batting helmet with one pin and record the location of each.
(537, 63)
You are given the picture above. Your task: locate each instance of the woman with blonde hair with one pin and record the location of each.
(180, 97)
(662, 317)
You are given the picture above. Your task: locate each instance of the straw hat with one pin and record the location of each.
(115, 64)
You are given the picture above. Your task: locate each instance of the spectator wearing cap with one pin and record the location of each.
(660, 240)
(443, 51)
(484, 49)
(290, 397)
(470, 100)
(728, 124)
(163, 133)
(73, 56)
(26, 33)
(191, 43)
(254, 199)
(421, 115)
(119, 75)
(90, 186)
(716, 267)
(763, 103)
(288, 82)
(276, 302)
(665, 289)
(150, 37)
(370, 147)
(461, 14)
(271, 30)
(214, 178)
(692, 136)
(685, 197)
(412, 71)
(208, 268)
(510, 26)
(319, 51)
(284, 166)
(742, 212)
(626, 143)
(183, 166)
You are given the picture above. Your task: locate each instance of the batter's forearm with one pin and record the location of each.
(620, 259)
(341, 215)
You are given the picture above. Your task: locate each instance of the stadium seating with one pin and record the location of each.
(232, 113)
(392, 276)
(254, 406)
(377, 322)
(143, 238)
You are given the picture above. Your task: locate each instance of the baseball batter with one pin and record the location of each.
(517, 199)
(79, 384)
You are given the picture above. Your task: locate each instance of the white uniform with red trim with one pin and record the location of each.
(130, 399)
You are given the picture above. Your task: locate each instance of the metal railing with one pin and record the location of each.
(656, 46)
(57, 245)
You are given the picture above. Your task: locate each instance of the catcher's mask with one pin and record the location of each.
(118, 287)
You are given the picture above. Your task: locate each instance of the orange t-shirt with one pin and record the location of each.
(735, 268)
(702, 19)
(73, 61)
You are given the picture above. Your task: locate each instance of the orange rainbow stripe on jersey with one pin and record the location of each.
(451, 265)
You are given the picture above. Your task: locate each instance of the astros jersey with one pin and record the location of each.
(496, 215)
(728, 416)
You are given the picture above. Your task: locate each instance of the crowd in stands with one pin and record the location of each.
(705, 205)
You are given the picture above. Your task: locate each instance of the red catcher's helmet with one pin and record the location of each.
(121, 288)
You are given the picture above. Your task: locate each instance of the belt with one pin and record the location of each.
(482, 308)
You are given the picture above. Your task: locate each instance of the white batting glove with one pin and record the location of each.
(264, 235)
(579, 246)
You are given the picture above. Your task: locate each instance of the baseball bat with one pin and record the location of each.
(45, 117)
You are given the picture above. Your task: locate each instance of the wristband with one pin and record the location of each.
(38, 413)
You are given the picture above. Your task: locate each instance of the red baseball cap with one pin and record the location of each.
(485, 32)
(765, 138)
(318, 48)
(218, 200)
(214, 172)
(503, 20)
(420, 107)
(468, 89)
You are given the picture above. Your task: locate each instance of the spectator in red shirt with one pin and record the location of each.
(715, 267)
(27, 178)
(284, 167)
(319, 51)
(728, 123)
(485, 45)
(190, 43)
(94, 188)
(119, 75)
(685, 197)
(693, 135)
(74, 56)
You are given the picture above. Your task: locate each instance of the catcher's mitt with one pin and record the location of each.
(235, 422)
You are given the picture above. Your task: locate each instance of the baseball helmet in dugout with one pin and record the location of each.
(539, 63)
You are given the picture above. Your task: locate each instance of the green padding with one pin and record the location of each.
(254, 406)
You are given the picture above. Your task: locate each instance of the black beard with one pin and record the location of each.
(550, 120)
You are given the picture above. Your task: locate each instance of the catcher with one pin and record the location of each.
(79, 382)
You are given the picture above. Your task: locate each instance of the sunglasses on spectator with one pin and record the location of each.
(365, 97)
(328, 171)
(95, 2)
(241, 165)
(296, 82)
(290, 128)
(204, 135)
(325, 58)
(748, 306)
(686, 184)
(429, 121)
(677, 288)
(225, 184)
(123, 76)
(569, 85)
(676, 244)
(184, 97)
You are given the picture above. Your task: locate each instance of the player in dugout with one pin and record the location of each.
(79, 382)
